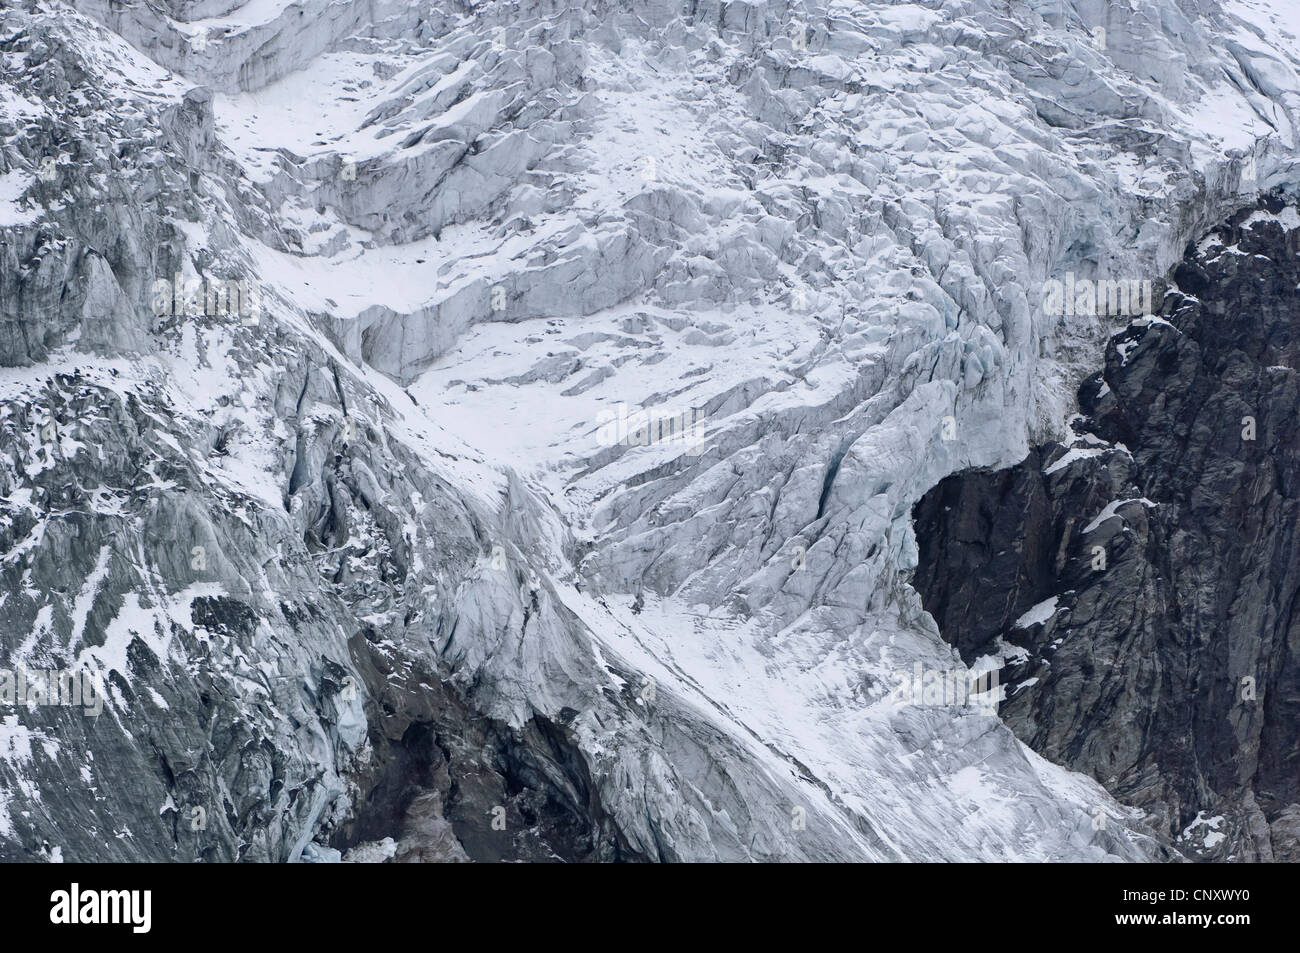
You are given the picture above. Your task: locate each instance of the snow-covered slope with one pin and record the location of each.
(488, 242)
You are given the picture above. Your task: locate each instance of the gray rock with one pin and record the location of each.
(1159, 550)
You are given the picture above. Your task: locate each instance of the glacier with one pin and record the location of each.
(363, 576)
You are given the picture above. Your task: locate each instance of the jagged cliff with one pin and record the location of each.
(1139, 582)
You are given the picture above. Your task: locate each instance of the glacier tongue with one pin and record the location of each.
(565, 465)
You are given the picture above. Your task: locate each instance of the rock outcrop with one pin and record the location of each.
(1139, 583)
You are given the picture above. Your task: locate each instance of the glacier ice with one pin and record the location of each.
(373, 541)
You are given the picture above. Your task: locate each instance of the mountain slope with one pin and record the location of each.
(373, 556)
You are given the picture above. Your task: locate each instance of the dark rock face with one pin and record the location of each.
(203, 755)
(446, 784)
(1158, 552)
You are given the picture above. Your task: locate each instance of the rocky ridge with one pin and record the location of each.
(1138, 583)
